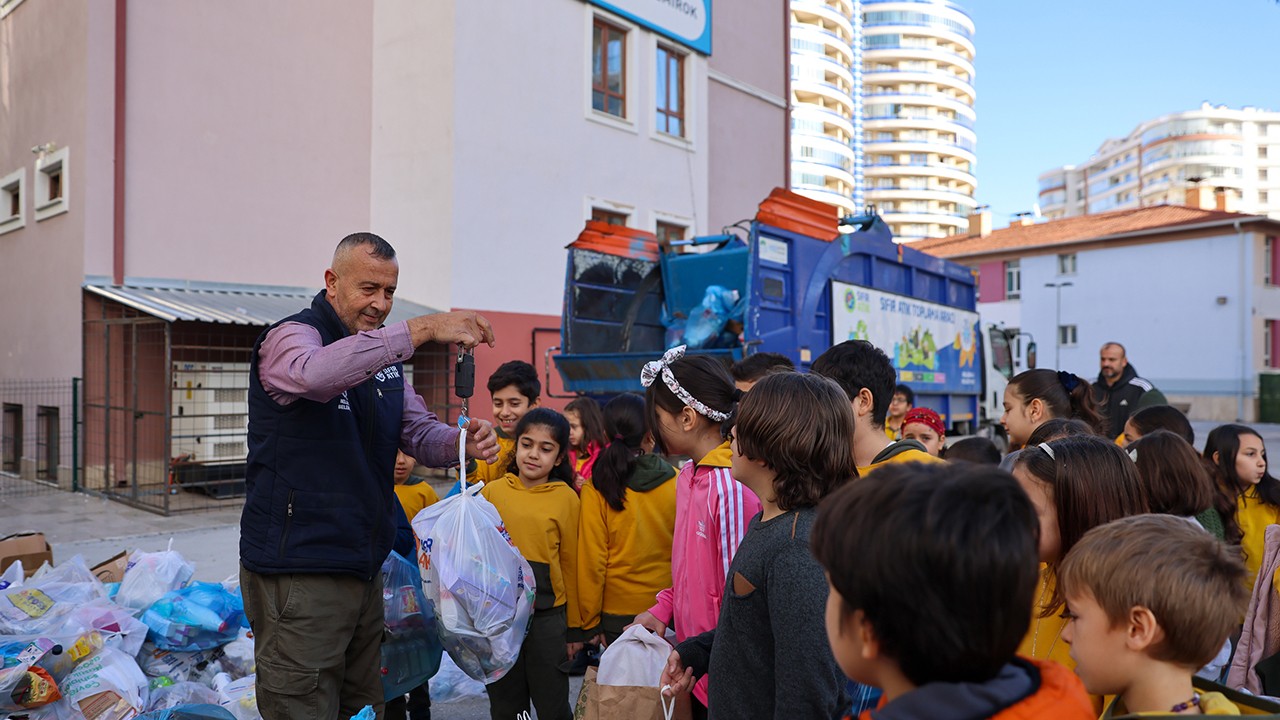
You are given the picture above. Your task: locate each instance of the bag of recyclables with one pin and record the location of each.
(411, 647)
(199, 616)
(477, 583)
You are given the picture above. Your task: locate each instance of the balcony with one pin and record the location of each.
(883, 54)
(826, 115)
(817, 167)
(920, 170)
(820, 9)
(844, 202)
(919, 147)
(828, 39)
(822, 95)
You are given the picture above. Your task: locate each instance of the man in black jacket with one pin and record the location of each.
(1119, 391)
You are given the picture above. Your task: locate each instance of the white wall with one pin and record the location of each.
(527, 158)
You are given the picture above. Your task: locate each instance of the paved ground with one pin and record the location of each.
(97, 529)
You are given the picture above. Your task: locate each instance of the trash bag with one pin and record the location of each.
(240, 697)
(202, 711)
(56, 654)
(44, 601)
(479, 586)
(411, 646)
(180, 694)
(106, 685)
(636, 658)
(25, 686)
(149, 576)
(177, 666)
(450, 683)
(705, 323)
(119, 628)
(12, 575)
(237, 655)
(197, 617)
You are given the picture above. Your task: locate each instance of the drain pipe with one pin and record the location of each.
(1245, 295)
(117, 206)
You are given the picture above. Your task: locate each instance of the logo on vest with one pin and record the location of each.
(389, 373)
(343, 403)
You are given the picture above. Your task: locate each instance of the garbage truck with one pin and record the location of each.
(794, 280)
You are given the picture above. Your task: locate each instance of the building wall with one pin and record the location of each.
(43, 78)
(1161, 300)
(747, 110)
(246, 162)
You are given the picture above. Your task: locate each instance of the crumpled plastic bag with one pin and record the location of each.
(12, 575)
(197, 617)
(44, 601)
(450, 683)
(150, 576)
(107, 682)
(57, 655)
(366, 713)
(119, 628)
(479, 586)
(636, 659)
(181, 693)
(240, 697)
(175, 665)
(411, 646)
(237, 655)
(24, 686)
(201, 711)
(703, 327)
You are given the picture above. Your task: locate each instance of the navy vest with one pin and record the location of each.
(318, 486)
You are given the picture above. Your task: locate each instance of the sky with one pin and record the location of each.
(1054, 80)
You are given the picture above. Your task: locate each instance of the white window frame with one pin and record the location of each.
(14, 182)
(1068, 263)
(591, 203)
(630, 79)
(60, 161)
(1013, 268)
(1068, 335)
(658, 216)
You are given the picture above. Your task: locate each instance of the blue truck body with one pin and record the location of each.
(800, 292)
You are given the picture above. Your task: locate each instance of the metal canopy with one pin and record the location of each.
(223, 303)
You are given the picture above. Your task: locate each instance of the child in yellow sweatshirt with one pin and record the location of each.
(515, 390)
(540, 511)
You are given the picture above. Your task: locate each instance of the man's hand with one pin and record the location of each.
(676, 678)
(651, 623)
(466, 328)
(572, 649)
(482, 441)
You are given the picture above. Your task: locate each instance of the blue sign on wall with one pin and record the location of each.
(688, 22)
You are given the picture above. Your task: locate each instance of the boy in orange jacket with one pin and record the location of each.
(931, 571)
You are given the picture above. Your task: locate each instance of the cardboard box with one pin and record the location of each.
(29, 547)
(112, 571)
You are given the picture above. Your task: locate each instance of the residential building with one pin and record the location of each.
(154, 208)
(1192, 292)
(918, 98)
(826, 102)
(1214, 146)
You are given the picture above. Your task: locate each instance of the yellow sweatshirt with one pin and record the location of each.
(486, 473)
(415, 497)
(1254, 514)
(624, 556)
(1043, 640)
(543, 524)
(906, 456)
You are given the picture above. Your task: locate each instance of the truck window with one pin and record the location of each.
(1001, 354)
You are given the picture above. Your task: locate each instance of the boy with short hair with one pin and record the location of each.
(904, 400)
(515, 390)
(1150, 600)
(931, 572)
(868, 378)
(753, 368)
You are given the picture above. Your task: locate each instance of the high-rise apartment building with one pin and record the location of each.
(1157, 163)
(918, 115)
(826, 101)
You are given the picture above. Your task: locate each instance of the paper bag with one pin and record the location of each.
(624, 702)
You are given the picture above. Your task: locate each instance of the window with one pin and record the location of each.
(1066, 335)
(1013, 279)
(1269, 260)
(670, 90)
(1268, 337)
(1067, 264)
(12, 216)
(52, 186)
(609, 69)
(669, 232)
(47, 438)
(608, 216)
(11, 438)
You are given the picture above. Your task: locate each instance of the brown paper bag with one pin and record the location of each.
(617, 702)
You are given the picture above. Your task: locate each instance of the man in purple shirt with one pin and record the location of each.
(328, 409)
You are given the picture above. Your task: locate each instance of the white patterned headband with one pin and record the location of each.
(662, 367)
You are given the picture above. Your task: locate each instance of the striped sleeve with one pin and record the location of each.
(729, 510)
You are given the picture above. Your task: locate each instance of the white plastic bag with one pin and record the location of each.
(175, 665)
(107, 682)
(450, 683)
(44, 601)
(635, 659)
(183, 693)
(150, 575)
(12, 575)
(118, 626)
(480, 588)
(237, 656)
(240, 697)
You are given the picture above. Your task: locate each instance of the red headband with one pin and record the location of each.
(926, 417)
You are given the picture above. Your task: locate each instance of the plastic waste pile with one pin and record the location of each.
(154, 645)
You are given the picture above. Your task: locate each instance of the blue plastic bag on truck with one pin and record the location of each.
(706, 322)
(411, 646)
(197, 617)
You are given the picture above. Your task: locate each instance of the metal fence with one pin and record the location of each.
(39, 436)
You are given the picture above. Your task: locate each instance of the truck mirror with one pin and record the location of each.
(1031, 356)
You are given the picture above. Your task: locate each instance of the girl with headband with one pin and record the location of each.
(690, 402)
(925, 427)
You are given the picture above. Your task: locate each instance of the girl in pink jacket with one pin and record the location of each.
(689, 401)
